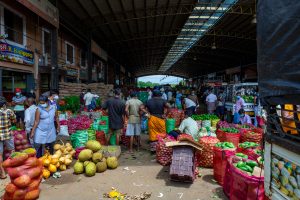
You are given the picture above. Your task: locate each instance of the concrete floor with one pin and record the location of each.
(144, 175)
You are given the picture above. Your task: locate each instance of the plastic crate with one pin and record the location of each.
(183, 166)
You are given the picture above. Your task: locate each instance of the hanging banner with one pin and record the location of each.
(15, 54)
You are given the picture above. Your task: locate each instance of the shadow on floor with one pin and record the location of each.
(164, 174)
(210, 179)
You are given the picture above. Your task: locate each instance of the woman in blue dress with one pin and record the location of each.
(43, 131)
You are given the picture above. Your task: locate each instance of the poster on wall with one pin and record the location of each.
(15, 54)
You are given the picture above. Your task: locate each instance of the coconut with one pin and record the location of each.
(101, 166)
(97, 157)
(85, 155)
(93, 145)
(90, 169)
(112, 162)
(78, 168)
(86, 163)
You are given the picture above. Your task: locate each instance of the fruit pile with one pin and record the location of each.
(91, 160)
(61, 159)
(25, 172)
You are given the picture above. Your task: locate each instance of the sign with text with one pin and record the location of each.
(15, 54)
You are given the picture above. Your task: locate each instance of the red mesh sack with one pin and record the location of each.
(164, 153)
(250, 152)
(205, 157)
(253, 135)
(220, 134)
(20, 140)
(25, 179)
(232, 137)
(220, 161)
(239, 185)
(183, 136)
(176, 114)
(100, 137)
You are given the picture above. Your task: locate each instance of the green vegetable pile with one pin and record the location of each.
(247, 145)
(247, 166)
(225, 145)
(241, 155)
(204, 117)
(72, 103)
(230, 130)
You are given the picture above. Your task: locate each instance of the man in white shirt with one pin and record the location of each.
(190, 106)
(211, 101)
(170, 95)
(163, 96)
(88, 98)
(30, 116)
(189, 126)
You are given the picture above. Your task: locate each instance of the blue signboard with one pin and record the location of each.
(15, 54)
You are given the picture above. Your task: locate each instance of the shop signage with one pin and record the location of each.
(72, 72)
(15, 54)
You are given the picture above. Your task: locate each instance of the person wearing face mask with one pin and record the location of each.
(18, 101)
(244, 118)
(43, 131)
(239, 104)
(53, 98)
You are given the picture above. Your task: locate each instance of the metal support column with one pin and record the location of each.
(54, 60)
(89, 60)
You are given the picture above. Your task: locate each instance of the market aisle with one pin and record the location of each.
(142, 174)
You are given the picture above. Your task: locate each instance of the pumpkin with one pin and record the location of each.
(62, 159)
(46, 173)
(57, 165)
(55, 156)
(52, 168)
(68, 161)
(22, 181)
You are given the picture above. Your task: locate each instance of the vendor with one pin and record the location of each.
(240, 104)
(44, 131)
(244, 118)
(19, 101)
(156, 122)
(188, 126)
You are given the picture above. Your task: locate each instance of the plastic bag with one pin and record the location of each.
(63, 131)
(79, 138)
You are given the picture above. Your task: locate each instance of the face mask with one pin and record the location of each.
(238, 97)
(44, 105)
(31, 91)
(18, 93)
(242, 116)
(56, 97)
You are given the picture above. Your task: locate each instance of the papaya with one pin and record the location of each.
(32, 195)
(10, 188)
(31, 162)
(19, 194)
(34, 172)
(34, 184)
(18, 159)
(22, 181)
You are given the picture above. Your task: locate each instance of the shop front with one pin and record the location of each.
(16, 70)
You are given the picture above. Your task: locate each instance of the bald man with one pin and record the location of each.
(30, 116)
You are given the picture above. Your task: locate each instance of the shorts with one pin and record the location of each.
(133, 129)
(20, 115)
(114, 131)
(9, 144)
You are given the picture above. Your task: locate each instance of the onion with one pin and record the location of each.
(24, 141)
(19, 136)
(17, 142)
(19, 147)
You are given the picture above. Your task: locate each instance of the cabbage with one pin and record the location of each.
(290, 189)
